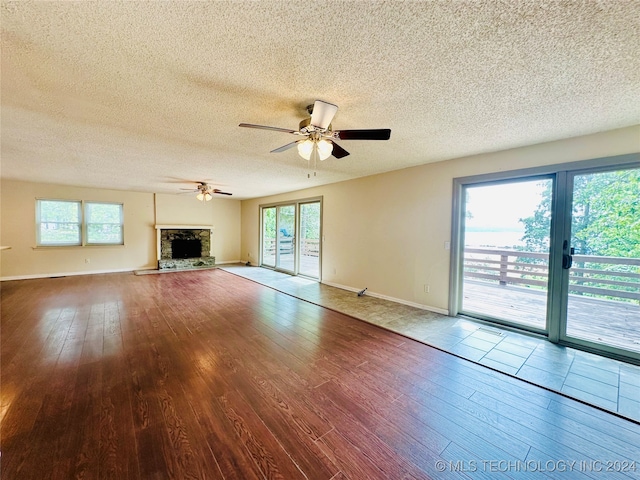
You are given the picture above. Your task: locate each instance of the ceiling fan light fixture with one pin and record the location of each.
(318, 134)
(207, 196)
(325, 148)
(200, 196)
(305, 149)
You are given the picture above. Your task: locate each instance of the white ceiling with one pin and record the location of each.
(139, 96)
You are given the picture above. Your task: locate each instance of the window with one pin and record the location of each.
(104, 223)
(59, 222)
(62, 223)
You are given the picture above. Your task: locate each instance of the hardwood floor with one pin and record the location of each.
(207, 375)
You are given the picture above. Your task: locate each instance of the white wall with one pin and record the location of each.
(141, 214)
(387, 232)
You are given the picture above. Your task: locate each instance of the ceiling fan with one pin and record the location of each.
(205, 192)
(317, 135)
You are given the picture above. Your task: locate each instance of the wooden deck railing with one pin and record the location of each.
(612, 277)
(308, 247)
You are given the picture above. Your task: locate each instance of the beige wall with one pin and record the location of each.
(387, 232)
(17, 229)
(222, 213)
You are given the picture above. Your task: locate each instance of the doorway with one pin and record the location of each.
(602, 281)
(505, 263)
(290, 237)
(553, 251)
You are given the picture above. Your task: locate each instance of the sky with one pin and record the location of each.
(501, 206)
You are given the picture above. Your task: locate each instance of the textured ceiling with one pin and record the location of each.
(141, 95)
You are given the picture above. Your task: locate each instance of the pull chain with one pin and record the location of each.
(315, 154)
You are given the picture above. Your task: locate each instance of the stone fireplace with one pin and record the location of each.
(184, 246)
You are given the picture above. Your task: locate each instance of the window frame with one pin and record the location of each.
(83, 224)
(86, 224)
(39, 222)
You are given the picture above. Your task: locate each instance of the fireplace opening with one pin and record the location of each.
(186, 248)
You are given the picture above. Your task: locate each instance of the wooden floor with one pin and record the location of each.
(207, 375)
(598, 320)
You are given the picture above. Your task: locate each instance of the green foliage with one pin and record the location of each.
(103, 213)
(58, 211)
(310, 221)
(104, 223)
(605, 223)
(59, 222)
(287, 220)
(606, 216)
(60, 234)
(537, 227)
(269, 222)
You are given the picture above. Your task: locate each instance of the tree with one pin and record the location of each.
(605, 216)
(605, 221)
(537, 227)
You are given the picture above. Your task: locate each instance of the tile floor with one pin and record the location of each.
(600, 381)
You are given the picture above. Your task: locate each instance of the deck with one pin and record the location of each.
(615, 323)
(309, 265)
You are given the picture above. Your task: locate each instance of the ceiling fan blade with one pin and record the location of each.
(264, 127)
(376, 134)
(190, 189)
(338, 151)
(220, 192)
(322, 114)
(286, 147)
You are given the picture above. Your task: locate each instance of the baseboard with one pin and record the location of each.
(391, 299)
(71, 274)
(229, 261)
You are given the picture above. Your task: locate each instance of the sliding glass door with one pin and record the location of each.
(603, 275)
(286, 238)
(290, 237)
(553, 252)
(268, 250)
(310, 239)
(506, 251)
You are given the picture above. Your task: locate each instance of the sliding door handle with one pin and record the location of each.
(567, 260)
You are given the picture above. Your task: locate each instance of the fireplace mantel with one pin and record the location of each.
(184, 227)
(159, 229)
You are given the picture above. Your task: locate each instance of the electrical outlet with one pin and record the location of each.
(249, 255)
(447, 245)
(87, 260)
(427, 288)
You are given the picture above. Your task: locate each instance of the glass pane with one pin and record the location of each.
(58, 222)
(104, 233)
(286, 237)
(604, 280)
(104, 223)
(310, 239)
(269, 236)
(52, 233)
(59, 211)
(506, 251)
(104, 213)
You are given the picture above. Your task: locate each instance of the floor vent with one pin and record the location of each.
(492, 332)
